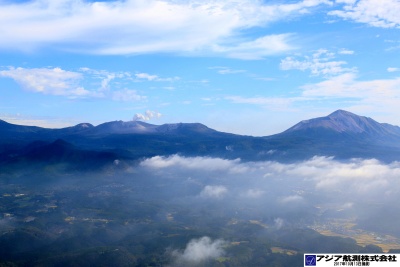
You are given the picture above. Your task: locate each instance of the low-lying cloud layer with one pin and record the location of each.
(195, 210)
(288, 192)
(323, 173)
(195, 163)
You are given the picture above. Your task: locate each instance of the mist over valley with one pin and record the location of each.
(136, 194)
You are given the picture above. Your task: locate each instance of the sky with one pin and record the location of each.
(240, 66)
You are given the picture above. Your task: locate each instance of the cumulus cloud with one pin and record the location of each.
(320, 63)
(199, 250)
(60, 82)
(136, 27)
(383, 13)
(214, 191)
(52, 81)
(148, 115)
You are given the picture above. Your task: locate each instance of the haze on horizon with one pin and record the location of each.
(247, 67)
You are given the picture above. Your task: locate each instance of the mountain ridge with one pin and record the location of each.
(341, 134)
(111, 127)
(342, 121)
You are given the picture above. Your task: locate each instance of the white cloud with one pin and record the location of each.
(105, 76)
(378, 98)
(320, 63)
(106, 81)
(146, 76)
(214, 191)
(51, 81)
(230, 71)
(136, 26)
(361, 176)
(195, 163)
(150, 77)
(349, 2)
(346, 52)
(324, 172)
(56, 81)
(377, 13)
(352, 178)
(391, 69)
(198, 250)
(257, 49)
(379, 94)
(148, 115)
(226, 70)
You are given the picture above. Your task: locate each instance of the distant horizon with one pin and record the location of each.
(150, 123)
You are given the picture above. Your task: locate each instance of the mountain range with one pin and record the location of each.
(341, 134)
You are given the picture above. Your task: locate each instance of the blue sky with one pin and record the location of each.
(247, 67)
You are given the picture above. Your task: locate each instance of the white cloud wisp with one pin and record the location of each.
(320, 63)
(382, 13)
(138, 27)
